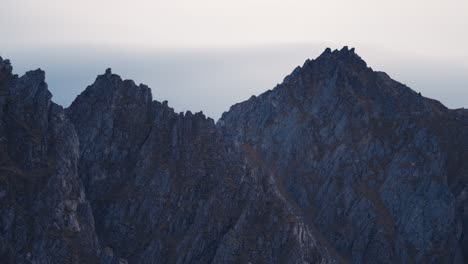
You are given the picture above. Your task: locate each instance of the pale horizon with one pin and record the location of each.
(230, 51)
(189, 79)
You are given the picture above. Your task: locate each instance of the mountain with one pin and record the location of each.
(338, 164)
(376, 167)
(44, 214)
(167, 188)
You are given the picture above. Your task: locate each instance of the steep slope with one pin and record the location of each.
(44, 214)
(338, 164)
(167, 188)
(377, 168)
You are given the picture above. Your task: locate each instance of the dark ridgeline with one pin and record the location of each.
(378, 169)
(338, 164)
(45, 216)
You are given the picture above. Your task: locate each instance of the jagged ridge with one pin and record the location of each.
(364, 157)
(339, 163)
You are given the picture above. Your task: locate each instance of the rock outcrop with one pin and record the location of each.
(377, 168)
(44, 213)
(338, 164)
(167, 188)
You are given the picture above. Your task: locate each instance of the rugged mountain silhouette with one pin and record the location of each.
(338, 164)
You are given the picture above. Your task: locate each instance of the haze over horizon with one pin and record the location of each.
(348, 158)
(192, 53)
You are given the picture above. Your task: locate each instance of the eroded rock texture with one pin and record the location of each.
(167, 188)
(44, 214)
(377, 168)
(338, 164)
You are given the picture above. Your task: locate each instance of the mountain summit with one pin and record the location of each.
(337, 164)
(368, 161)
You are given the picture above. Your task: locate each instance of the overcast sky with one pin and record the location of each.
(234, 47)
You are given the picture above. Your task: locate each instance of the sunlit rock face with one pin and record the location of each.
(338, 164)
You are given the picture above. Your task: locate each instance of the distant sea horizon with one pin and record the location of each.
(211, 79)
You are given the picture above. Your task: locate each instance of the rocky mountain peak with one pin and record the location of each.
(110, 89)
(345, 57)
(5, 66)
(338, 164)
(352, 148)
(343, 52)
(43, 206)
(6, 73)
(344, 62)
(108, 72)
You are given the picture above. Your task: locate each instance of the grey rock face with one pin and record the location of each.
(44, 214)
(377, 168)
(166, 188)
(338, 164)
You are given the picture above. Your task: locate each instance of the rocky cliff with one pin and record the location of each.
(44, 214)
(338, 164)
(376, 167)
(167, 188)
